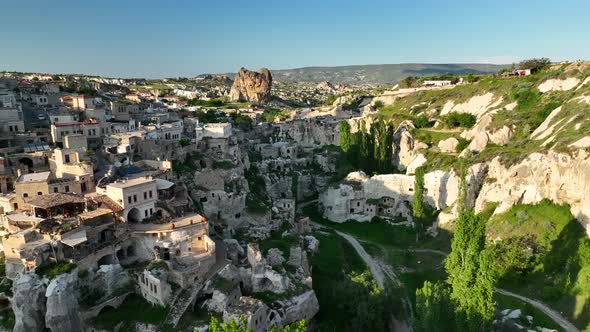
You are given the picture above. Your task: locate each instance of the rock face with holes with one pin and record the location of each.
(28, 303)
(251, 86)
(558, 177)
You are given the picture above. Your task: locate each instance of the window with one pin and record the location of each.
(54, 189)
(67, 158)
(39, 193)
(145, 213)
(129, 199)
(134, 198)
(25, 195)
(145, 195)
(83, 186)
(150, 194)
(151, 211)
(67, 189)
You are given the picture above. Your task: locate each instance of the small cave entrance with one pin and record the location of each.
(105, 260)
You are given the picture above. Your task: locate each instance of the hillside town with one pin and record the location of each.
(177, 200)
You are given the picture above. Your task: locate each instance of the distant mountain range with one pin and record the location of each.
(379, 74)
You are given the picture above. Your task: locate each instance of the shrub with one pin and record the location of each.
(184, 142)
(454, 120)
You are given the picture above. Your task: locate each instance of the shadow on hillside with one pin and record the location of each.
(566, 283)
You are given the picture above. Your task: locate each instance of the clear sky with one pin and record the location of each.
(167, 38)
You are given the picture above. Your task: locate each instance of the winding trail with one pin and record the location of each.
(559, 319)
(554, 315)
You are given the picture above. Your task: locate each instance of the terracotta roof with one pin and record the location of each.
(55, 199)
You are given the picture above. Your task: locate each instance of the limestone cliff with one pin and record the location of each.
(251, 86)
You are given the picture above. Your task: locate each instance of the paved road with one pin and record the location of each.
(31, 116)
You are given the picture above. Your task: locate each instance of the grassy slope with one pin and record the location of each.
(532, 108)
(334, 261)
(561, 274)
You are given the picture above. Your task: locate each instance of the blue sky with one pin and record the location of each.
(185, 38)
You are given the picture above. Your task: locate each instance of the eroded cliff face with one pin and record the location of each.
(28, 303)
(63, 312)
(559, 177)
(251, 86)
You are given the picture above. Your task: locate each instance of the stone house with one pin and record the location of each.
(137, 197)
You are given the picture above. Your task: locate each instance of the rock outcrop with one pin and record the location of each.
(251, 86)
(28, 303)
(558, 177)
(63, 313)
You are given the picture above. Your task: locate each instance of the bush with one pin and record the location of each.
(53, 269)
(454, 120)
(184, 142)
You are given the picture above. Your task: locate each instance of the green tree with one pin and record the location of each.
(470, 274)
(433, 309)
(534, 65)
(344, 136)
(461, 196)
(418, 201)
(378, 104)
(242, 326)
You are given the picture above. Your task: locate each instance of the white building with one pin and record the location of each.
(437, 83)
(214, 130)
(137, 197)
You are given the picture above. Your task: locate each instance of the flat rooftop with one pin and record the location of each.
(33, 177)
(130, 182)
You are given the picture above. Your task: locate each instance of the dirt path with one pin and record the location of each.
(559, 319)
(374, 267)
(379, 270)
(554, 315)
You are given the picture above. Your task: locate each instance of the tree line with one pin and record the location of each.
(368, 150)
(465, 301)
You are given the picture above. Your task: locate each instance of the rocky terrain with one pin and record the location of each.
(251, 86)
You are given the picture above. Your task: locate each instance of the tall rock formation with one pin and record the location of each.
(63, 313)
(251, 86)
(28, 303)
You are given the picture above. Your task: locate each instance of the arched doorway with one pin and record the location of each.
(134, 216)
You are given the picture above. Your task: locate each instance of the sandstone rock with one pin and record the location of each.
(233, 249)
(313, 244)
(558, 177)
(231, 273)
(275, 257)
(251, 86)
(221, 299)
(28, 303)
(301, 307)
(417, 162)
(269, 280)
(110, 277)
(63, 313)
(502, 136)
(448, 145)
(255, 257)
(479, 143)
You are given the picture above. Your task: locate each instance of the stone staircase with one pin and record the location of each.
(181, 302)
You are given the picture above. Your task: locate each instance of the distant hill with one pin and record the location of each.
(379, 74)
